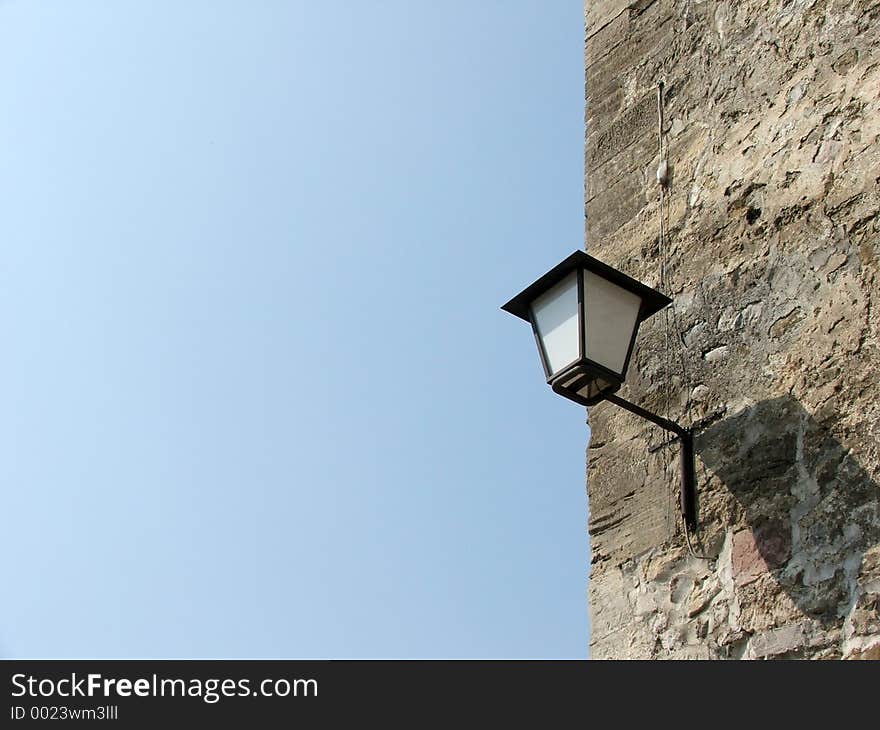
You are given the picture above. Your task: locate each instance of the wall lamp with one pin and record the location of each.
(585, 316)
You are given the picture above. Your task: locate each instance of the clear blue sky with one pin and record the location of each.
(258, 397)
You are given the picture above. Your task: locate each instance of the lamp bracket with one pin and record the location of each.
(688, 499)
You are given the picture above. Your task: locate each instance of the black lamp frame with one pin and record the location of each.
(583, 369)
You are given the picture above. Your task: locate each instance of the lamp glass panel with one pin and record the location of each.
(556, 318)
(611, 315)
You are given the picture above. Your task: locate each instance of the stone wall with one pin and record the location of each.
(772, 126)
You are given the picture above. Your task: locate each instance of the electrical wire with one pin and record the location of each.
(670, 319)
(687, 536)
(661, 245)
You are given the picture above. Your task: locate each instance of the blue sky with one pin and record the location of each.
(259, 399)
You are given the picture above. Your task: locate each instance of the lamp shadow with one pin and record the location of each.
(810, 508)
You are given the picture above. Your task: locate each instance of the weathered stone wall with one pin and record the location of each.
(772, 123)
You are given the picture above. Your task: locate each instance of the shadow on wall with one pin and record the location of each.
(811, 509)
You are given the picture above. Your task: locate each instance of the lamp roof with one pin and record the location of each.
(652, 300)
